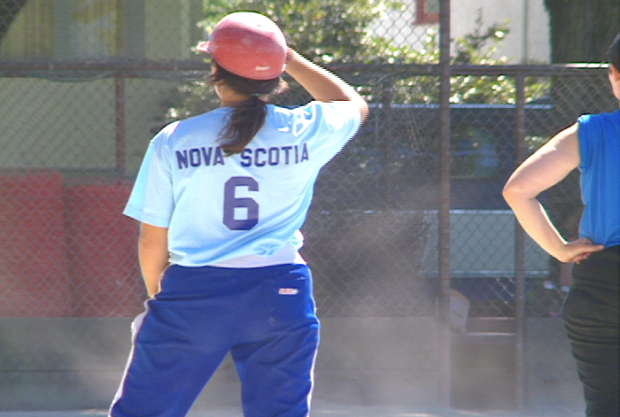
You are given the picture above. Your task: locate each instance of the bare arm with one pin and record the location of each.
(322, 84)
(545, 168)
(153, 255)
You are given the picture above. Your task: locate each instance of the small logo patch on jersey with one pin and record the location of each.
(288, 291)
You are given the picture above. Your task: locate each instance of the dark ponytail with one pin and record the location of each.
(248, 117)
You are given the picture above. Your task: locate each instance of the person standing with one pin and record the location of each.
(591, 309)
(221, 198)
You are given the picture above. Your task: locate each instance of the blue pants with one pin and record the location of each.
(591, 317)
(265, 317)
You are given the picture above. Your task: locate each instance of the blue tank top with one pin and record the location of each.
(599, 146)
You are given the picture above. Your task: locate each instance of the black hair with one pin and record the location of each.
(614, 52)
(247, 117)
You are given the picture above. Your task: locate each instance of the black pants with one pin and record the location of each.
(591, 318)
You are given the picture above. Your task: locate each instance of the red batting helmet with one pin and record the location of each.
(248, 44)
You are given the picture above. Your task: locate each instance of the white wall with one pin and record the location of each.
(527, 42)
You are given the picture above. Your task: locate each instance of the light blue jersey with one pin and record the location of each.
(599, 146)
(219, 208)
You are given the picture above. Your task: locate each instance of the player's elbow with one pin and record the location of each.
(513, 192)
(508, 192)
(363, 106)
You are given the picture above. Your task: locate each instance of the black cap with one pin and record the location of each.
(614, 53)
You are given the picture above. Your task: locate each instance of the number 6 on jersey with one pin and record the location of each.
(232, 203)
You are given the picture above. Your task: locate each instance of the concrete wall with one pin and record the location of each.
(80, 30)
(72, 125)
(64, 363)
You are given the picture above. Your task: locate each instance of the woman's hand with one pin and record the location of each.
(578, 250)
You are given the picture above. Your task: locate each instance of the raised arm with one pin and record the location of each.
(545, 168)
(322, 84)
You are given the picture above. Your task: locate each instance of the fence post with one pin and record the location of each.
(387, 98)
(119, 108)
(520, 319)
(444, 203)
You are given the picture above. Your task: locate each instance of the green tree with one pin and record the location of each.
(479, 47)
(581, 31)
(476, 48)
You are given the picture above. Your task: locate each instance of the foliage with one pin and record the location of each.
(479, 47)
(581, 31)
(472, 49)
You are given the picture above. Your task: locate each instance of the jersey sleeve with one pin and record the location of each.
(335, 124)
(152, 198)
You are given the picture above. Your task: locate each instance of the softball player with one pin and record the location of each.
(220, 198)
(591, 310)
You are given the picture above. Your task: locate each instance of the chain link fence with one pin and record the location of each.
(85, 85)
